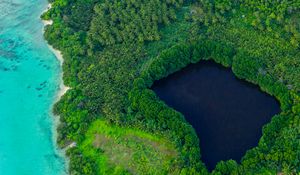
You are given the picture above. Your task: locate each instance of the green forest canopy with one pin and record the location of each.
(114, 50)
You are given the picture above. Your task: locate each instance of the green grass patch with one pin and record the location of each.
(120, 150)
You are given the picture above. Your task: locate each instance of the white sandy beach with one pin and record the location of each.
(62, 88)
(47, 22)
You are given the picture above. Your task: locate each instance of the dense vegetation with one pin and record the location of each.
(115, 50)
(128, 150)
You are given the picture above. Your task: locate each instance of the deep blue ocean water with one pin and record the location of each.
(29, 82)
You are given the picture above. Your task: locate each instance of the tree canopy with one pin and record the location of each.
(114, 50)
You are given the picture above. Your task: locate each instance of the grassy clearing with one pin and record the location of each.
(119, 150)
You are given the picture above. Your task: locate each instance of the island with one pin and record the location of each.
(114, 120)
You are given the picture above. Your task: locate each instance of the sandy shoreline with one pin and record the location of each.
(62, 87)
(47, 22)
(62, 90)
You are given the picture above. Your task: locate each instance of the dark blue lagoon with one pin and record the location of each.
(227, 113)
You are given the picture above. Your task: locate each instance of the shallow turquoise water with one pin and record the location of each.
(29, 81)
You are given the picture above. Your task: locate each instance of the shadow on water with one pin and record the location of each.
(227, 113)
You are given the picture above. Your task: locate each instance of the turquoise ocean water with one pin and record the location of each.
(29, 81)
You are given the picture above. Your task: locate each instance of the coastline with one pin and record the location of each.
(61, 91)
(47, 22)
(62, 87)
